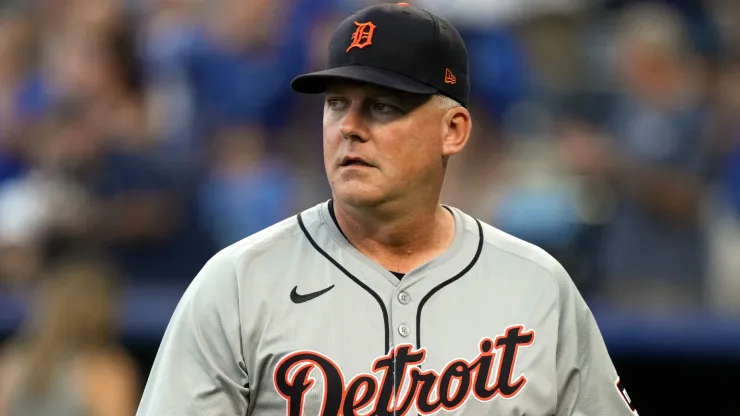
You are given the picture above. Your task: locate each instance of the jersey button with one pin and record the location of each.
(404, 330)
(404, 298)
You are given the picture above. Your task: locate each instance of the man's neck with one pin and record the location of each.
(400, 238)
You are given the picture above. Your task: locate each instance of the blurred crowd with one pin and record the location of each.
(159, 131)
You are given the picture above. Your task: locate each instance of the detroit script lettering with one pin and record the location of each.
(408, 388)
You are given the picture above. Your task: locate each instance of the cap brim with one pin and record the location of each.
(316, 82)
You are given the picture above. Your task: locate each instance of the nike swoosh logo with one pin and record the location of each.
(296, 298)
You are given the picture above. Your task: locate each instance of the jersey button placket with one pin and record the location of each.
(403, 313)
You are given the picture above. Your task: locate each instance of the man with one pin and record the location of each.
(382, 301)
(652, 156)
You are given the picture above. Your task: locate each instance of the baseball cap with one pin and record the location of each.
(395, 46)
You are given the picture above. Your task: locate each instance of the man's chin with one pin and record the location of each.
(358, 195)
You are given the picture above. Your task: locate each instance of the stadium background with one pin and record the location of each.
(147, 134)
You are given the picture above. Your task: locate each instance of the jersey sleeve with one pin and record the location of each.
(199, 368)
(588, 383)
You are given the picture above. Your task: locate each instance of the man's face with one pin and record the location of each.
(380, 145)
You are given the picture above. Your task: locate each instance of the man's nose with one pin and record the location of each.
(354, 126)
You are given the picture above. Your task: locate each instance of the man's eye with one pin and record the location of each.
(335, 103)
(383, 108)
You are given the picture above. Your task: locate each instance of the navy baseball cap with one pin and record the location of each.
(395, 46)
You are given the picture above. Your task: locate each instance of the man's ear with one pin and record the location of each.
(458, 126)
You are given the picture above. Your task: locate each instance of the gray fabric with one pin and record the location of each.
(238, 345)
(60, 399)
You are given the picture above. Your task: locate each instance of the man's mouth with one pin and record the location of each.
(354, 161)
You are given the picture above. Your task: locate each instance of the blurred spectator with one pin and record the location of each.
(96, 16)
(138, 211)
(101, 67)
(654, 248)
(101, 141)
(246, 189)
(729, 143)
(501, 71)
(237, 63)
(724, 289)
(491, 13)
(16, 86)
(82, 188)
(475, 178)
(43, 198)
(65, 360)
(168, 29)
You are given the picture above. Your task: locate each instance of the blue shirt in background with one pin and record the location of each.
(731, 180)
(238, 206)
(638, 244)
(228, 86)
(179, 257)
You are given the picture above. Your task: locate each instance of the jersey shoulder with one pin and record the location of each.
(268, 246)
(226, 277)
(499, 243)
(271, 239)
(515, 246)
(221, 273)
(265, 239)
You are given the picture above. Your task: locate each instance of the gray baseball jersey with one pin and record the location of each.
(295, 321)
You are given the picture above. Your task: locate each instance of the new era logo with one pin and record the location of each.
(449, 78)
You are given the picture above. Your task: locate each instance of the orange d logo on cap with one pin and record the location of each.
(363, 36)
